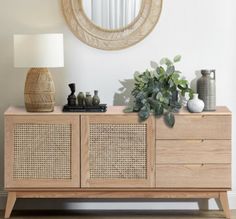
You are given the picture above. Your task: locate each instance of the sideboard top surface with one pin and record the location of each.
(111, 110)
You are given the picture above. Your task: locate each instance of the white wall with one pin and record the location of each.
(202, 31)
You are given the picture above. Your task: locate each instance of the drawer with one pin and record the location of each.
(195, 127)
(193, 151)
(193, 176)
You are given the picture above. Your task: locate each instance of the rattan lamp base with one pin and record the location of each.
(39, 91)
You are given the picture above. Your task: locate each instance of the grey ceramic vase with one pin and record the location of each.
(96, 99)
(195, 105)
(206, 88)
(88, 99)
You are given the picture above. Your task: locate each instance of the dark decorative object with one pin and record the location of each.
(72, 98)
(81, 99)
(88, 99)
(206, 88)
(99, 108)
(85, 104)
(96, 99)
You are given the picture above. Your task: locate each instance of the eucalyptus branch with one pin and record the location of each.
(155, 89)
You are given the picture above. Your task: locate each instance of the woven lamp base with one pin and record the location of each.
(39, 91)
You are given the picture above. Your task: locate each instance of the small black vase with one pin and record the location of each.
(81, 99)
(88, 99)
(96, 99)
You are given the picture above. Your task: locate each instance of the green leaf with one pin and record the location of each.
(190, 93)
(170, 69)
(137, 107)
(128, 109)
(166, 61)
(159, 96)
(155, 74)
(154, 65)
(169, 119)
(137, 73)
(158, 70)
(175, 76)
(155, 91)
(171, 83)
(158, 110)
(178, 106)
(183, 83)
(144, 113)
(178, 72)
(143, 101)
(177, 58)
(140, 96)
(147, 73)
(161, 70)
(166, 100)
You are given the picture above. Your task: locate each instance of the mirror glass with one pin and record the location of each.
(112, 14)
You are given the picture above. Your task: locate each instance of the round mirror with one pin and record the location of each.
(112, 14)
(111, 24)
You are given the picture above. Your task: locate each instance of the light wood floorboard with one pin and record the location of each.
(119, 215)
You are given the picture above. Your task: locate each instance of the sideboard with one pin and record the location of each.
(113, 155)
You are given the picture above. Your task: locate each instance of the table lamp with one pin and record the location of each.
(39, 52)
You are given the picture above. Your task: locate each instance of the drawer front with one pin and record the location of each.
(193, 151)
(195, 127)
(193, 176)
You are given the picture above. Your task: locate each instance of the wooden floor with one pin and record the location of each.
(119, 215)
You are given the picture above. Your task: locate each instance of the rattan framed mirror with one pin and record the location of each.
(111, 39)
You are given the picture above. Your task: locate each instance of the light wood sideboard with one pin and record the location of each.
(113, 155)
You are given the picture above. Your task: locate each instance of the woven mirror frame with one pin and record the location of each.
(106, 39)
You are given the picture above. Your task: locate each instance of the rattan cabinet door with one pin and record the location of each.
(117, 151)
(42, 151)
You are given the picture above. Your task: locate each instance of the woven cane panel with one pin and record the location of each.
(42, 151)
(118, 151)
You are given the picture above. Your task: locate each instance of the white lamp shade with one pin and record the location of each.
(38, 50)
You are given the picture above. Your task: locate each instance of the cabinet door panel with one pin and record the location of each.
(42, 151)
(117, 151)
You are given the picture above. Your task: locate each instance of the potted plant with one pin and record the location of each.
(156, 91)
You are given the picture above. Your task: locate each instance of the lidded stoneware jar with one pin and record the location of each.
(206, 88)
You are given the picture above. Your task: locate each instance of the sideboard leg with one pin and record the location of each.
(225, 204)
(11, 199)
(203, 204)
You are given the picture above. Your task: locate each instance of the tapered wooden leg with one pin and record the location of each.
(225, 204)
(11, 199)
(203, 204)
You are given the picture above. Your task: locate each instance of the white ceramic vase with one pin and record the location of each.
(195, 105)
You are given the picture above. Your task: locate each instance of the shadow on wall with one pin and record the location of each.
(123, 97)
(193, 83)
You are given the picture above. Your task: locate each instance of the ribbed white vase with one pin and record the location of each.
(195, 105)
